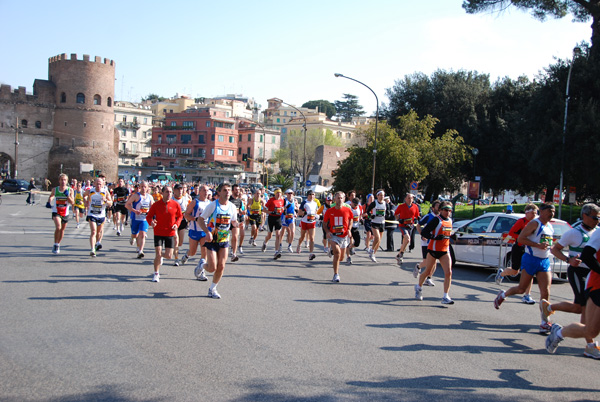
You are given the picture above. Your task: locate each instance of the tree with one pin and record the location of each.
(324, 106)
(348, 108)
(581, 10)
(153, 98)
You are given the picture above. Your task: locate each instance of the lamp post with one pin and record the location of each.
(376, 120)
(475, 152)
(304, 159)
(576, 52)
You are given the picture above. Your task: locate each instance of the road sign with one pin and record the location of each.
(308, 183)
(414, 185)
(556, 197)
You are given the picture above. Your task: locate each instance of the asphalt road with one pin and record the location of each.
(75, 328)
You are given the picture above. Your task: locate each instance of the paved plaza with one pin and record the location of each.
(76, 328)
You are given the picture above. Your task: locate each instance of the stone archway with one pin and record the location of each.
(7, 165)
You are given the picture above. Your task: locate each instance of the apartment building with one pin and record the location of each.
(133, 121)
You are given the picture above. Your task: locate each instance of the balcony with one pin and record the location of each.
(128, 152)
(185, 128)
(130, 124)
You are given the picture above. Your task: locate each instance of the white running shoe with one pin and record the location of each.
(418, 293)
(214, 294)
(349, 260)
(241, 250)
(553, 339)
(447, 300)
(156, 277)
(118, 233)
(416, 270)
(184, 259)
(527, 299)
(372, 256)
(176, 263)
(336, 278)
(277, 255)
(140, 255)
(400, 258)
(298, 249)
(290, 248)
(131, 239)
(428, 282)
(326, 250)
(499, 276)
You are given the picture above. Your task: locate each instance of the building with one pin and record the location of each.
(133, 121)
(258, 145)
(66, 125)
(326, 162)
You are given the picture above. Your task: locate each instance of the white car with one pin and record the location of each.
(480, 241)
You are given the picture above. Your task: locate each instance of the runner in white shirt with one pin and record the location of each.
(182, 197)
(139, 203)
(196, 234)
(308, 212)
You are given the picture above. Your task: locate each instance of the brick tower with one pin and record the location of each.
(84, 131)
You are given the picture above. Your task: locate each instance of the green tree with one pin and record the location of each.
(348, 108)
(581, 10)
(153, 97)
(283, 180)
(324, 106)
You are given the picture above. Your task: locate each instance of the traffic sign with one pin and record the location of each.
(414, 185)
(308, 183)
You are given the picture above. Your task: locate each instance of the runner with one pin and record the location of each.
(407, 214)
(356, 215)
(308, 213)
(256, 204)
(337, 222)
(377, 210)
(589, 329)
(97, 199)
(164, 216)
(321, 212)
(367, 224)
(438, 231)
(288, 219)
(183, 199)
(275, 208)
(434, 211)
(220, 216)
(121, 193)
(537, 239)
(196, 234)
(237, 233)
(575, 239)
(79, 206)
(139, 204)
(60, 198)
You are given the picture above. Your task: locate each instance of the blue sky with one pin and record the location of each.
(265, 49)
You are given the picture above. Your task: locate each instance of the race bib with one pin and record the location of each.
(311, 217)
(278, 211)
(546, 239)
(289, 216)
(222, 222)
(446, 231)
(380, 212)
(338, 230)
(61, 207)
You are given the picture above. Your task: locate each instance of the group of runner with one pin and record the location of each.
(216, 224)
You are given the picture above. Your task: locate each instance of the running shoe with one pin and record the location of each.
(78, 226)
(416, 270)
(264, 247)
(544, 304)
(140, 255)
(98, 246)
(499, 276)
(428, 282)
(592, 351)
(553, 339)
(55, 249)
(326, 250)
(298, 249)
(330, 253)
(447, 300)
(184, 259)
(241, 250)
(290, 248)
(250, 241)
(118, 233)
(199, 272)
(352, 252)
(372, 256)
(545, 328)
(336, 278)
(176, 263)
(311, 257)
(349, 260)
(58, 249)
(156, 277)
(93, 253)
(277, 255)
(214, 294)
(527, 300)
(254, 243)
(400, 258)
(131, 239)
(418, 293)
(234, 258)
(162, 261)
(499, 299)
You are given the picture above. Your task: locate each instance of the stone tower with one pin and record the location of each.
(84, 131)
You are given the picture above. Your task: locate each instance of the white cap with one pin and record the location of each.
(289, 191)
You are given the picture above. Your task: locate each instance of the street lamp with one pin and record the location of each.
(475, 152)
(576, 52)
(376, 120)
(304, 127)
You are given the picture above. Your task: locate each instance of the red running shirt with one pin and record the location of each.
(339, 220)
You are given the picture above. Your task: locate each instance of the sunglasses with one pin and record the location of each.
(596, 218)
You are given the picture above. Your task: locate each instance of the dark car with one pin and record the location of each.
(14, 185)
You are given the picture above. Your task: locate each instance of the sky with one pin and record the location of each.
(265, 49)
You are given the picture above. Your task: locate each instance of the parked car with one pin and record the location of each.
(14, 185)
(480, 241)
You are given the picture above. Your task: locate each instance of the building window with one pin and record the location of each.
(283, 130)
(278, 120)
(97, 100)
(171, 138)
(124, 133)
(348, 136)
(23, 123)
(212, 151)
(173, 124)
(186, 138)
(38, 124)
(189, 125)
(272, 139)
(124, 118)
(185, 151)
(145, 120)
(249, 137)
(160, 139)
(261, 138)
(285, 120)
(231, 139)
(231, 152)
(109, 102)
(171, 110)
(201, 139)
(212, 137)
(240, 138)
(134, 148)
(239, 151)
(202, 153)
(134, 133)
(218, 124)
(221, 138)
(219, 152)
(248, 151)
(208, 123)
(80, 98)
(63, 97)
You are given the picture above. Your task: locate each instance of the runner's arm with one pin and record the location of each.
(588, 257)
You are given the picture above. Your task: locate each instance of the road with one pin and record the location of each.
(77, 329)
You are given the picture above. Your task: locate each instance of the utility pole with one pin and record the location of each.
(16, 148)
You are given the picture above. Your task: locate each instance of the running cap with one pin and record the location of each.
(289, 191)
(177, 186)
(329, 197)
(369, 195)
(277, 190)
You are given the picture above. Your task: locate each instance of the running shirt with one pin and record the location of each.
(435, 227)
(97, 202)
(576, 239)
(61, 204)
(167, 215)
(542, 234)
(197, 212)
(338, 220)
(218, 219)
(79, 199)
(377, 210)
(310, 211)
(356, 214)
(255, 207)
(143, 204)
(289, 210)
(240, 206)
(407, 215)
(275, 207)
(183, 201)
(517, 228)
(593, 280)
(423, 222)
(120, 195)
